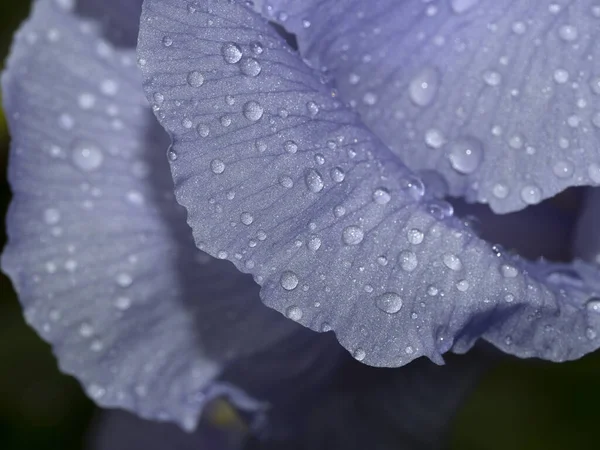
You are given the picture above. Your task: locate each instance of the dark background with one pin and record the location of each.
(520, 405)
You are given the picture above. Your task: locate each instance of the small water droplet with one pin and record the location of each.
(531, 194)
(423, 87)
(231, 52)
(434, 138)
(465, 154)
(408, 260)
(217, 166)
(294, 313)
(452, 261)
(381, 196)
(290, 147)
(87, 156)
(289, 280)
(337, 175)
(359, 354)
(195, 79)
(253, 111)
(415, 236)
(246, 218)
(250, 67)
(508, 271)
(314, 181)
(203, 130)
(314, 243)
(462, 6)
(593, 305)
(353, 235)
(390, 302)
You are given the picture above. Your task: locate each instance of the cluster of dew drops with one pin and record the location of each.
(465, 153)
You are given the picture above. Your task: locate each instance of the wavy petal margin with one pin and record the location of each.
(278, 176)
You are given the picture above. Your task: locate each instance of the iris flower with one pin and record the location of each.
(321, 255)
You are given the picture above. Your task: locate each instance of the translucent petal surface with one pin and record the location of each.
(501, 97)
(280, 178)
(99, 250)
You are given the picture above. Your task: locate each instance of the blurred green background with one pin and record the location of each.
(520, 405)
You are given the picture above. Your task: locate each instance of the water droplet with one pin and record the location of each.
(325, 327)
(568, 33)
(500, 190)
(217, 166)
(124, 280)
(382, 260)
(195, 79)
(231, 52)
(314, 181)
(337, 174)
(561, 76)
(432, 291)
(413, 186)
(122, 303)
(359, 354)
(462, 285)
(415, 236)
(594, 172)
(203, 130)
(289, 280)
(246, 218)
(434, 138)
(290, 147)
(313, 108)
(253, 111)
(563, 169)
(51, 216)
(87, 156)
(452, 262)
(390, 302)
(465, 154)
(492, 78)
(531, 194)
(167, 41)
(593, 305)
(286, 182)
(314, 243)
(381, 196)
(250, 67)
(294, 313)
(508, 271)
(423, 87)
(353, 235)
(461, 6)
(408, 260)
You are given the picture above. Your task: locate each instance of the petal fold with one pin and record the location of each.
(500, 97)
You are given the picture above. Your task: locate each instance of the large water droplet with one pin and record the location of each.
(415, 236)
(250, 67)
(314, 181)
(390, 302)
(289, 280)
(381, 196)
(253, 110)
(452, 262)
(294, 313)
(465, 154)
(87, 156)
(408, 260)
(423, 87)
(231, 52)
(353, 235)
(593, 305)
(531, 194)
(195, 79)
(217, 166)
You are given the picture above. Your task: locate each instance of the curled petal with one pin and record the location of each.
(283, 180)
(99, 251)
(500, 96)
